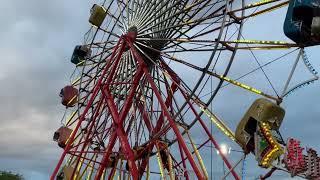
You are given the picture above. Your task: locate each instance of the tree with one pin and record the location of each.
(4, 175)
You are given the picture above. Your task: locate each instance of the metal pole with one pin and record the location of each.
(94, 94)
(291, 73)
(225, 176)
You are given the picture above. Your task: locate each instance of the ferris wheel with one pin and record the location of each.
(143, 99)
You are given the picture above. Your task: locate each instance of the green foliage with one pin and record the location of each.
(4, 175)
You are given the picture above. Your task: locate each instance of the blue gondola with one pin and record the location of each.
(302, 23)
(79, 54)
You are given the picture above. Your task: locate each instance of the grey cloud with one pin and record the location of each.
(37, 39)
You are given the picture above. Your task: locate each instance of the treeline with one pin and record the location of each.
(5, 175)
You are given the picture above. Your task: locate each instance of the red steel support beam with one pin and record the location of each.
(176, 81)
(167, 114)
(82, 117)
(215, 143)
(119, 119)
(86, 140)
(185, 173)
(105, 158)
(145, 117)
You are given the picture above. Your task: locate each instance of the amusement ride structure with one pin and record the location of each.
(142, 99)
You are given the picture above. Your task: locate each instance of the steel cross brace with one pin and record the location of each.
(176, 81)
(159, 124)
(118, 119)
(215, 143)
(166, 112)
(87, 139)
(95, 91)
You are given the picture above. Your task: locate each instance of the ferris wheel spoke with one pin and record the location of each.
(195, 37)
(203, 18)
(135, 106)
(111, 33)
(207, 26)
(264, 73)
(122, 10)
(174, 105)
(166, 55)
(118, 118)
(190, 25)
(144, 11)
(198, 49)
(256, 4)
(116, 19)
(164, 22)
(148, 27)
(110, 24)
(221, 77)
(216, 145)
(73, 134)
(267, 10)
(167, 114)
(178, 40)
(137, 5)
(149, 18)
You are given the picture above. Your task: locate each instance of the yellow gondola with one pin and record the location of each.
(262, 110)
(98, 14)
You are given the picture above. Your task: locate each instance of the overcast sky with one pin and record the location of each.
(37, 38)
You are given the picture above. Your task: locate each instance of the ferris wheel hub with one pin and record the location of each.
(132, 33)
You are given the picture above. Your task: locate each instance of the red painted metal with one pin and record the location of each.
(198, 148)
(86, 141)
(167, 114)
(183, 163)
(145, 117)
(118, 120)
(74, 154)
(93, 96)
(105, 158)
(176, 81)
(159, 124)
(119, 116)
(155, 130)
(112, 173)
(174, 126)
(215, 143)
(108, 80)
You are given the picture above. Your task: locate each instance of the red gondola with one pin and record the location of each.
(69, 96)
(62, 135)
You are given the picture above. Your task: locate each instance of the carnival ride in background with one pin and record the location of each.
(134, 113)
